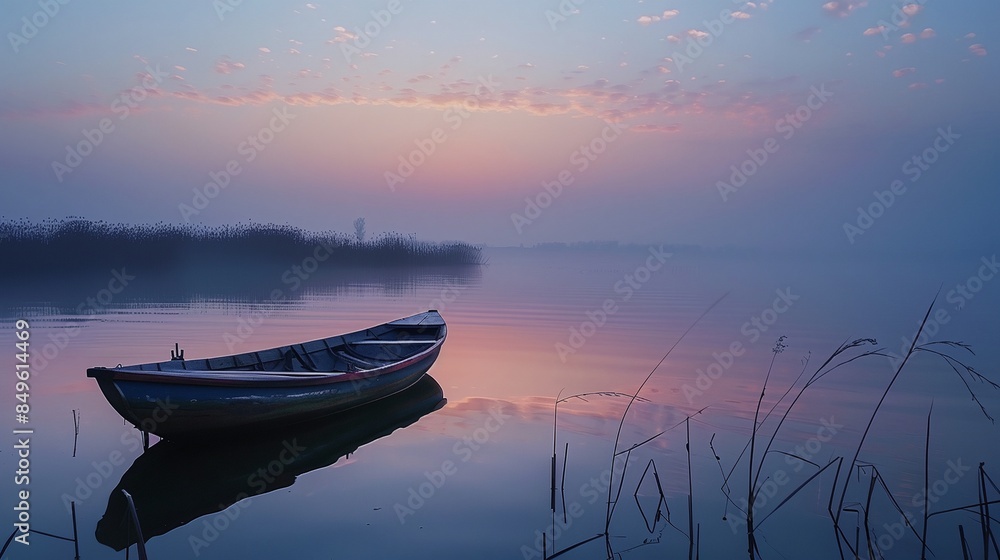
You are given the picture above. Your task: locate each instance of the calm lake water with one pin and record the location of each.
(470, 476)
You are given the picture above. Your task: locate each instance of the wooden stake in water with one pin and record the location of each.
(76, 537)
(965, 545)
(984, 512)
(76, 429)
(927, 502)
(690, 493)
(140, 543)
(562, 485)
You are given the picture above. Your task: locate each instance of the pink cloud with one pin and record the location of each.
(927, 33)
(225, 65)
(645, 105)
(977, 49)
(903, 72)
(341, 35)
(874, 31)
(908, 38)
(646, 20)
(843, 8)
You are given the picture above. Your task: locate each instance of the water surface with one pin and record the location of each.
(461, 467)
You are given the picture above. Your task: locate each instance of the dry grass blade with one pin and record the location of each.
(868, 508)
(871, 419)
(649, 439)
(895, 504)
(752, 479)
(794, 456)
(569, 548)
(984, 512)
(968, 507)
(797, 489)
(955, 364)
(927, 505)
(10, 539)
(621, 424)
(965, 543)
(821, 372)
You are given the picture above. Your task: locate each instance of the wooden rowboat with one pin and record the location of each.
(187, 399)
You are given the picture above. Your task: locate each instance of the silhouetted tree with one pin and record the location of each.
(359, 229)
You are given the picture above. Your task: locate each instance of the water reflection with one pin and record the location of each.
(173, 484)
(91, 293)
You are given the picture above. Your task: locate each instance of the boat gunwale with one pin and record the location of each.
(231, 378)
(253, 378)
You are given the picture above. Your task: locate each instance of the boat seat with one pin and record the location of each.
(289, 359)
(360, 362)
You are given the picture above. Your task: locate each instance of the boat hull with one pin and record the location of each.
(181, 404)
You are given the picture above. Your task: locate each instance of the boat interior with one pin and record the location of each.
(359, 351)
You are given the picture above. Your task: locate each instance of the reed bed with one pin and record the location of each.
(851, 477)
(58, 247)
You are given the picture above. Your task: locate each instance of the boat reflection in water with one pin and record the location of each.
(173, 484)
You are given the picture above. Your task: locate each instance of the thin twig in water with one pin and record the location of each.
(76, 429)
(725, 484)
(779, 347)
(687, 446)
(562, 485)
(984, 512)
(927, 502)
(965, 544)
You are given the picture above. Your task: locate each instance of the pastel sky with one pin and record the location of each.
(646, 110)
